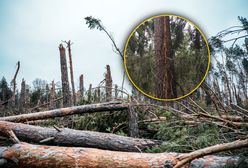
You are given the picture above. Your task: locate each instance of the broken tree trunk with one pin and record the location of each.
(22, 99)
(100, 107)
(27, 155)
(45, 104)
(13, 82)
(64, 78)
(108, 84)
(70, 137)
(89, 93)
(185, 158)
(52, 97)
(116, 91)
(81, 86)
(133, 128)
(71, 72)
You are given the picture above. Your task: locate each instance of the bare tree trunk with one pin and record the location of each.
(22, 96)
(81, 86)
(116, 91)
(71, 72)
(133, 128)
(77, 138)
(13, 104)
(27, 98)
(108, 84)
(90, 108)
(228, 89)
(52, 97)
(99, 94)
(90, 93)
(185, 158)
(72, 157)
(64, 78)
(47, 94)
(165, 73)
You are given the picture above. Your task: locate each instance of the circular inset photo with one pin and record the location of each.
(166, 57)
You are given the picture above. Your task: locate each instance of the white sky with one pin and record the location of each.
(31, 32)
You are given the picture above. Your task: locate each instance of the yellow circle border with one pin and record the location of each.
(125, 61)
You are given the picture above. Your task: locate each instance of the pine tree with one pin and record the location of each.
(5, 91)
(71, 72)
(165, 72)
(22, 100)
(64, 77)
(108, 83)
(52, 104)
(81, 86)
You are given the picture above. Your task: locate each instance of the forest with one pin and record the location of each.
(184, 66)
(54, 124)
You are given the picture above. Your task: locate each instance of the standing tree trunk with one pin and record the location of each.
(81, 86)
(116, 91)
(64, 78)
(71, 72)
(99, 94)
(108, 83)
(133, 128)
(22, 96)
(47, 95)
(89, 93)
(197, 47)
(52, 97)
(27, 98)
(13, 104)
(165, 72)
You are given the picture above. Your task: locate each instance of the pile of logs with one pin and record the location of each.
(35, 146)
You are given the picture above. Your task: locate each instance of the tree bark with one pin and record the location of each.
(108, 84)
(27, 155)
(13, 99)
(133, 128)
(64, 78)
(185, 158)
(22, 99)
(71, 72)
(100, 107)
(116, 91)
(164, 66)
(70, 137)
(90, 93)
(52, 104)
(81, 86)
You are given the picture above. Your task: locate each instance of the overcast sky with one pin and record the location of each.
(31, 32)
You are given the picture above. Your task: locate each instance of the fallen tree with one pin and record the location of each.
(185, 158)
(100, 107)
(27, 155)
(70, 137)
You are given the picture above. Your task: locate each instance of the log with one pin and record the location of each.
(184, 158)
(70, 137)
(27, 155)
(100, 107)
